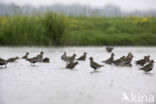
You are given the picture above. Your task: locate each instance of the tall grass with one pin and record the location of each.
(32, 30)
(53, 29)
(111, 31)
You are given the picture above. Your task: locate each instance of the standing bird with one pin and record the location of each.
(32, 60)
(130, 55)
(36, 59)
(127, 61)
(83, 57)
(70, 59)
(118, 62)
(109, 60)
(148, 67)
(12, 59)
(109, 49)
(143, 61)
(25, 56)
(71, 65)
(63, 57)
(3, 62)
(46, 60)
(94, 65)
(40, 56)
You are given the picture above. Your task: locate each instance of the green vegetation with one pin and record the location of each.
(32, 30)
(53, 29)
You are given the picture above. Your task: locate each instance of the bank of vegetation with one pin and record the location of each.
(53, 29)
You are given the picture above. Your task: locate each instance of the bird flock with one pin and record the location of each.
(33, 60)
(146, 63)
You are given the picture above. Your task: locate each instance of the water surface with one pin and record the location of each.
(21, 83)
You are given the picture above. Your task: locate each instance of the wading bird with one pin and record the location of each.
(118, 62)
(83, 57)
(25, 56)
(12, 59)
(46, 60)
(109, 49)
(70, 59)
(40, 56)
(143, 61)
(94, 65)
(32, 60)
(109, 60)
(63, 57)
(148, 67)
(127, 61)
(71, 65)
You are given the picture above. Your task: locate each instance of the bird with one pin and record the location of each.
(117, 62)
(130, 55)
(32, 60)
(148, 67)
(109, 60)
(3, 62)
(70, 59)
(109, 49)
(40, 56)
(25, 56)
(83, 57)
(71, 65)
(12, 59)
(143, 61)
(63, 57)
(94, 65)
(46, 60)
(128, 59)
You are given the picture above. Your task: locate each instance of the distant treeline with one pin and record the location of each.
(109, 10)
(51, 29)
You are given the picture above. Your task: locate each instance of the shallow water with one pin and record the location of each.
(21, 83)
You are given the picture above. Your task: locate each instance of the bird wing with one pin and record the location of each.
(139, 61)
(148, 66)
(96, 65)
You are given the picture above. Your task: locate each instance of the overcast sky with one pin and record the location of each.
(124, 4)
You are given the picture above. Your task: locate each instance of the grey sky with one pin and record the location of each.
(124, 4)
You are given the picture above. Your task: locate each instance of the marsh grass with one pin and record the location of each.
(111, 31)
(55, 29)
(32, 30)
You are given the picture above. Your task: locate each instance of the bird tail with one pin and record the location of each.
(141, 68)
(102, 65)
